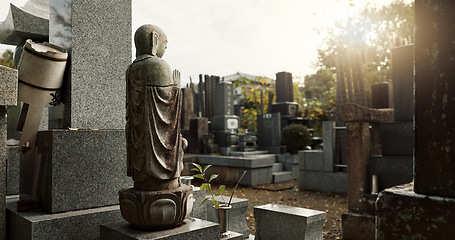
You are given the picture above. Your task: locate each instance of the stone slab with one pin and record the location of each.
(100, 42)
(248, 153)
(190, 229)
(397, 138)
(3, 163)
(313, 160)
(293, 168)
(328, 139)
(12, 171)
(282, 176)
(236, 218)
(277, 167)
(322, 181)
(40, 225)
(82, 168)
(391, 170)
(199, 211)
(8, 86)
(257, 161)
(403, 214)
(275, 221)
(357, 113)
(288, 158)
(358, 226)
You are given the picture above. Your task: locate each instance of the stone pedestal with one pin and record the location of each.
(150, 210)
(190, 229)
(80, 224)
(81, 168)
(275, 221)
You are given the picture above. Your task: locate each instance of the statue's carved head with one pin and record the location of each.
(150, 39)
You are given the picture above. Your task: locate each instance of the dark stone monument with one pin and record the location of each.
(269, 133)
(425, 210)
(284, 104)
(199, 127)
(381, 95)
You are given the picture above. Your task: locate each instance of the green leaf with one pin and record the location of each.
(206, 187)
(203, 201)
(220, 190)
(198, 167)
(195, 169)
(215, 202)
(213, 177)
(207, 167)
(200, 176)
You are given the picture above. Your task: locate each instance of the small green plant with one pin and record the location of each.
(201, 174)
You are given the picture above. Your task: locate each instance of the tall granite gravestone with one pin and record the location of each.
(83, 167)
(224, 123)
(381, 95)
(425, 210)
(284, 104)
(269, 133)
(8, 97)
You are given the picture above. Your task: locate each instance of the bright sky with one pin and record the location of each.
(258, 37)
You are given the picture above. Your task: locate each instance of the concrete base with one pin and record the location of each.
(230, 168)
(323, 181)
(403, 214)
(82, 224)
(358, 226)
(282, 176)
(190, 229)
(275, 221)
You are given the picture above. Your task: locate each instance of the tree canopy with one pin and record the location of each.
(7, 59)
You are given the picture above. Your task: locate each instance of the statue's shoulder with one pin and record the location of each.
(152, 70)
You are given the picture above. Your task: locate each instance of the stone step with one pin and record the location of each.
(282, 176)
(277, 167)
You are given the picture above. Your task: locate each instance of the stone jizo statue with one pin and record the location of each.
(154, 101)
(154, 143)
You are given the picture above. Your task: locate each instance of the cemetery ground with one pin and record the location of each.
(289, 194)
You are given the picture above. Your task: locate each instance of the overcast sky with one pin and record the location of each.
(259, 37)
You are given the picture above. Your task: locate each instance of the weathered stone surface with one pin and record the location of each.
(405, 214)
(397, 138)
(313, 160)
(434, 98)
(12, 172)
(275, 221)
(40, 225)
(8, 86)
(329, 138)
(82, 168)
(28, 22)
(358, 226)
(191, 229)
(150, 210)
(358, 113)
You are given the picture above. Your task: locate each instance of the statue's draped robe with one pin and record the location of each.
(154, 141)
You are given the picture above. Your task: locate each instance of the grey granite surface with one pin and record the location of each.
(323, 181)
(39, 225)
(312, 160)
(28, 22)
(100, 55)
(3, 159)
(254, 161)
(8, 86)
(190, 229)
(12, 170)
(83, 168)
(275, 221)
